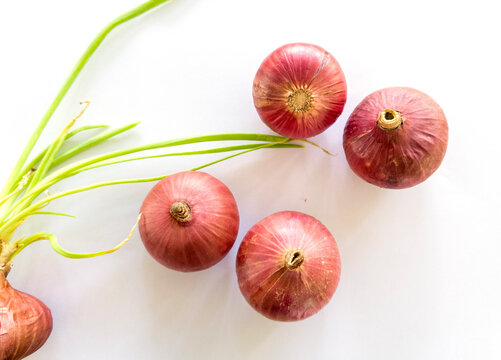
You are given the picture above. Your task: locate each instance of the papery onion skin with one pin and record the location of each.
(207, 230)
(269, 286)
(299, 90)
(25, 322)
(402, 157)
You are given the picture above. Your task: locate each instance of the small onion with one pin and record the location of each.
(299, 90)
(288, 266)
(396, 138)
(189, 221)
(25, 322)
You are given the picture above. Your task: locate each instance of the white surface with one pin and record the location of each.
(421, 267)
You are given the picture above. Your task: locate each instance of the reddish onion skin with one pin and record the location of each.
(272, 287)
(205, 237)
(299, 90)
(25, 322)
(401, 157)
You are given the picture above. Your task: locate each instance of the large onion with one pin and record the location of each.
(189, 221)
(396, 137)
(25, 322)
(288, 266)
(299, 90)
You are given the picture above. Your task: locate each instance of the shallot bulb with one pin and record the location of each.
(396, 138)
(299, 90)
(25, 322)
(189, 221)
(288, 266)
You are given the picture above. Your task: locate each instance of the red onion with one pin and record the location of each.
(288, 266)
(25, 322)
(396, 137)
(189, 221)
(299, 90)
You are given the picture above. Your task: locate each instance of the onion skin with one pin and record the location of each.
(402, 157)
(269, 286)
(25, 322)
(299, 90)
(201, 241)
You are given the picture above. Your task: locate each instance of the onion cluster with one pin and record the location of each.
(288, 264)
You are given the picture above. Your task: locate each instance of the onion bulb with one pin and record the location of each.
(189, 221)
(299, 90)
(288, 266)
(396, 137)
(25, 322)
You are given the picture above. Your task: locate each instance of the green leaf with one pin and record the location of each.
(198, 152)
(23, 243)
(52, 213)
(87, 144)
(34, 162)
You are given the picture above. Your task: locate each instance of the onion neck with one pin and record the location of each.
(389, 120)
(181, 211)
(293, 259)
(6, 252)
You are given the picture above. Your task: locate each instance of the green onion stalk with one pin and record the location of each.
(25, 191)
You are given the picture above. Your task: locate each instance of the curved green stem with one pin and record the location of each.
(22, 244)
(70, 80)
(53, 213)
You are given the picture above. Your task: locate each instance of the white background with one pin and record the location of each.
(420, 267)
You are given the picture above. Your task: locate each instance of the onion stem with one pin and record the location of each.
(76, 149)
(52, 213)
(91, 143)
(36, 160)
(60, 250)
(49, 156)
(31, 166)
